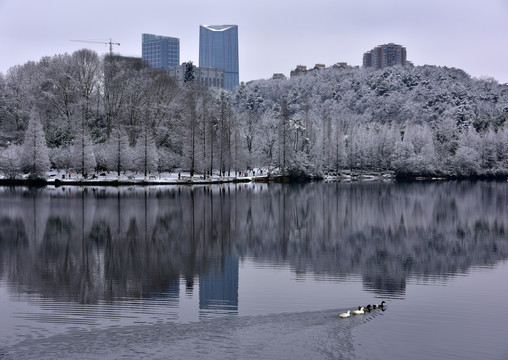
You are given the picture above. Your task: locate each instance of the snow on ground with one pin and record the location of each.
(181, 177)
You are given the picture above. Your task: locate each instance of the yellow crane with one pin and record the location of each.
(110, 42)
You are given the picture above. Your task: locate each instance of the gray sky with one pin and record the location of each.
(274, 36)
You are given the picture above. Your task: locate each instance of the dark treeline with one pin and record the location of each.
(88, 113)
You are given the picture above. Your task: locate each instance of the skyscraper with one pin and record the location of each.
(385, 55)
(160, 51)
(218, 48)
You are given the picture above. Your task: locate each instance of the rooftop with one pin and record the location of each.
(218, 27)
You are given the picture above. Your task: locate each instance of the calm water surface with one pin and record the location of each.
(255, 271)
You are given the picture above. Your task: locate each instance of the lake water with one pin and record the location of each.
(255, 271)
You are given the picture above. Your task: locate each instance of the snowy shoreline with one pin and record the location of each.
(60, 178)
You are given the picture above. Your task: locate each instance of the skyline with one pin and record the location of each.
(468, 35)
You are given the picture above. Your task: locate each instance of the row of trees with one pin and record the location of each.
(87, 113)
(112, 114)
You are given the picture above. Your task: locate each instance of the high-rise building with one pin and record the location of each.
(218, 48)
(160, 51)
(385, 55)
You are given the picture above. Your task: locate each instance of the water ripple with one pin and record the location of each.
(296, 335)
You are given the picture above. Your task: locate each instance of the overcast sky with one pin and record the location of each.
(274, 36)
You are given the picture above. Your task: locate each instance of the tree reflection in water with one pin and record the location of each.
(93, 244)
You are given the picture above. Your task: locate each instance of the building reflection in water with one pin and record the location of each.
(89, 245)
(218, 290)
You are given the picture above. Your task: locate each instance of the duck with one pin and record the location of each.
(368, 308)
(346, 314)
(360, 311)
(380, 306)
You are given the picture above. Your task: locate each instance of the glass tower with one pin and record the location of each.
(218, 48)
(160, 51)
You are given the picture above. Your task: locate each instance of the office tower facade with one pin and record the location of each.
(160, 51)
(218, 48)
(385, 55)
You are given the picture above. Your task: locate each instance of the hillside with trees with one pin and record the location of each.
(85, 113)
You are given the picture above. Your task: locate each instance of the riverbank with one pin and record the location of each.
(61, 178)
(109, 179)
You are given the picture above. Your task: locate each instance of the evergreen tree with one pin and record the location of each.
(34, 158)
(190, 73)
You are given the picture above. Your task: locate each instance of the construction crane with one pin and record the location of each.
(110, 42)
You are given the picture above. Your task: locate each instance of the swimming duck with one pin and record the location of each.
(359, 311)
(346, 314)
(368, 308)
(380, 306)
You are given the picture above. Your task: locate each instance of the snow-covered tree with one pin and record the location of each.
(118, 152)
(486, 148)
(251, 126)
(502, 147)
(339, 148)
(61, 157)
(191, 127)
(415, 154)
(445, 139)
(224, 129)
(58, 99)
(284, 141)
(34, 158)
(208, 129)
(269, 142)
(146, 158)
(466, 160)
(121, 79)
(404, 154)
(9, 161)
(83, 155)
(384, 139)
(18, 99)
